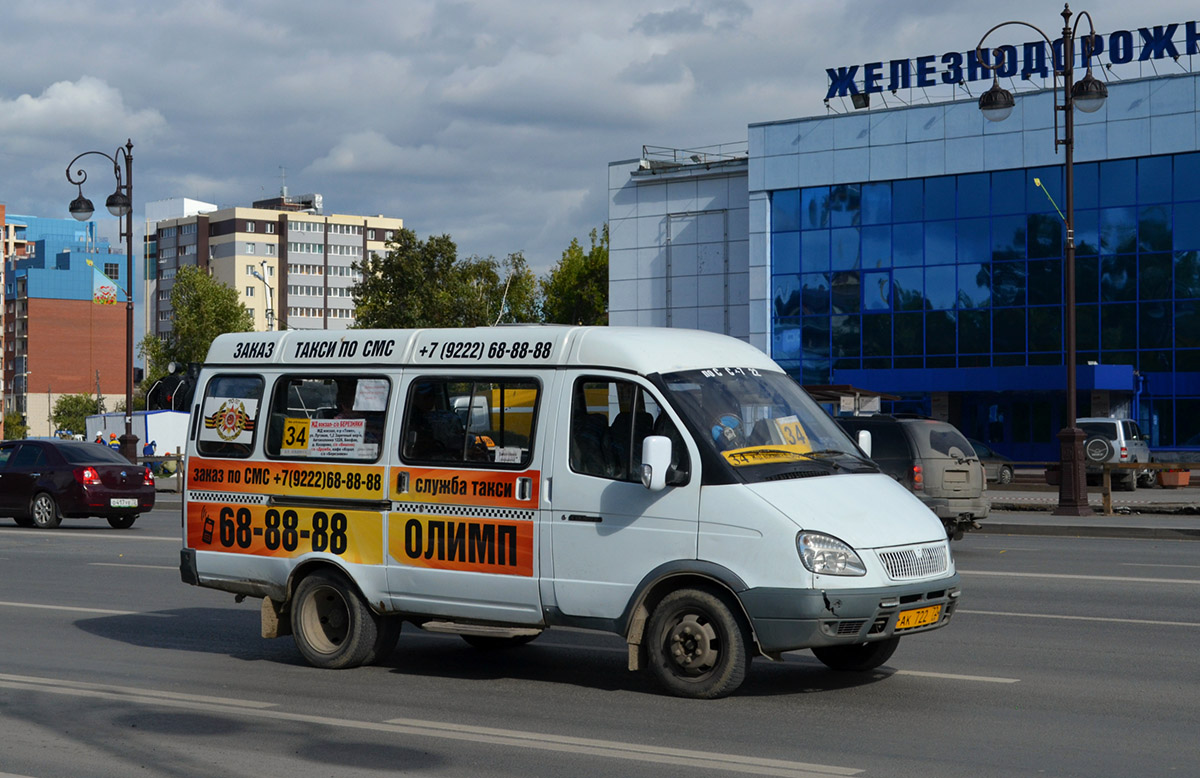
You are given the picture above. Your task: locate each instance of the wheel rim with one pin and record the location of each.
(43, 510)
(325, 619)
(692, 645)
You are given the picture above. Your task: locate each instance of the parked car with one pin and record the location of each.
(932, 459)
(1116, 440)
(995, 464)
(44, 481)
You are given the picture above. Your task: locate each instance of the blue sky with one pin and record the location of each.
(491, 121)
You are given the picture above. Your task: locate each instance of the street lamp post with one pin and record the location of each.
(1087, 95)
(119, 203)
(270, 313)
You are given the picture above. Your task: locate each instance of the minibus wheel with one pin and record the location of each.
(696, 646)
(857, 658)
(333, 627)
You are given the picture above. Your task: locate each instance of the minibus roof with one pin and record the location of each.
(639, 349)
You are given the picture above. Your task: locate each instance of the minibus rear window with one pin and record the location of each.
(487, 422)
(329, 418)
(229, 416)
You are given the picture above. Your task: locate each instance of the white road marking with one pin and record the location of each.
(954, 677)
(1064, 576)
(90, 535)
(141, 567)
(611, 749)
(100, 611)
(1107, 620)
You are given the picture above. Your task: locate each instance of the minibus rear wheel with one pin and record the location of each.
(696, 645)
(333, 627)
(857, 658)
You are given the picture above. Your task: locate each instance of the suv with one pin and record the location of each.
(933, 460)
(1116, 440)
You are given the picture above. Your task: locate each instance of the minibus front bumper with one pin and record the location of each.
(791, 619)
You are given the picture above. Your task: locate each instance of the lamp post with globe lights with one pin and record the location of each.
(1087, 95)
(119, 204)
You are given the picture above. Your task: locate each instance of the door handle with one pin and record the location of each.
(581, 517)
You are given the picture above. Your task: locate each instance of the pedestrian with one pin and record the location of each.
(99, 438)
(113, 443)
(148, 450)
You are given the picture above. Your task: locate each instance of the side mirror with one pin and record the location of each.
(656, 459)
(864, 441)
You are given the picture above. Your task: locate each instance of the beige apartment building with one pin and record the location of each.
(291, 264)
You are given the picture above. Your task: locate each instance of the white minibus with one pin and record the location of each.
(674, 487)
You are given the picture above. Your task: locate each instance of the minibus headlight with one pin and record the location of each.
(826, 555)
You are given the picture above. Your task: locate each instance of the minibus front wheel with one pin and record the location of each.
(696, 645)
(334, 628)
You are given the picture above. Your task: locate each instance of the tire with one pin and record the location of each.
(493, 643)
(1129, 484)
(858, 658)
(696, 646)
(124, 521)
(1006, 475)
(43, 511)
(334, 628)
(1098, 449)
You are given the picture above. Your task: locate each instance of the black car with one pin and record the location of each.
(44, 481)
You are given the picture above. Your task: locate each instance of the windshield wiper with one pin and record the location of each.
(828, 452)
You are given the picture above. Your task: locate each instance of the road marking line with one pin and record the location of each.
(141, 567)
(1107, 620)
(110, 535)
(101, 611)
(734, 763)
(29, 681)
(1064, 576)
(954, 677)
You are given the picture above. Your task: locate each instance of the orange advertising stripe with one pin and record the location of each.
(301, 479)
(473, 545)
(466, 487)
(353, 536)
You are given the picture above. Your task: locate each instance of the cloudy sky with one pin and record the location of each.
(492, 121)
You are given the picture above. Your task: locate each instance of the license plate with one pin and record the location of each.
(918, 617)
(123, 502)
(955, 477)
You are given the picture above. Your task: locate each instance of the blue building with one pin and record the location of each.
(918, 249)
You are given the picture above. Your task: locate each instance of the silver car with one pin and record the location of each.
(1116, 440)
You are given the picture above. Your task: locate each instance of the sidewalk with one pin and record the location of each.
(1161, 514)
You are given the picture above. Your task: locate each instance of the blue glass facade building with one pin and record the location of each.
(918, 250)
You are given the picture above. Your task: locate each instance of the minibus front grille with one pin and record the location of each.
(916, 562)
(796, 474)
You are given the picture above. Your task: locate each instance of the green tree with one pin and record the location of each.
(14, 426)
(203, 308)
(71, 411)
(576, 289)
(425, 284)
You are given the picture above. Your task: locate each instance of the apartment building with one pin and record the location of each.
(290, 263)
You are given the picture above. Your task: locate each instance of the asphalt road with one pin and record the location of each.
(1067, 657)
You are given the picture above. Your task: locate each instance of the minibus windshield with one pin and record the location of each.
(757, 417)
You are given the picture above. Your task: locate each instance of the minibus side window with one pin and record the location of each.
(487, 422)
(327, 417)
(229, 416)
(609, 420)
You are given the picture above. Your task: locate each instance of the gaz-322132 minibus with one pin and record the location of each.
(673, 487)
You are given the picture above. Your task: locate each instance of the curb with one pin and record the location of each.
(1076, 530)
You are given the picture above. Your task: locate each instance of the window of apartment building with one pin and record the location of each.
(187, 229)
(389, 235)
(112, 269)
(249, 291)
(187, 249)
(167, 232)
(370, 234)
(270, 251)
(270, 228)
(249, 226)
(249, 248)
(249, 270)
